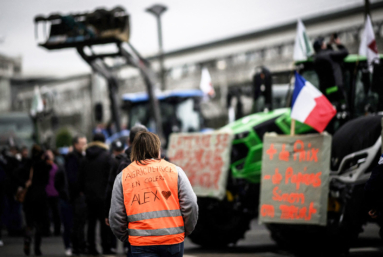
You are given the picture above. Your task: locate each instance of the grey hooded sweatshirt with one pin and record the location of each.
(188, 202)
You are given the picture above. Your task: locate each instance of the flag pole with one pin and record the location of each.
(292, 128)
(292, 124)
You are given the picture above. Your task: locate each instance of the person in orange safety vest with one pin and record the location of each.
(153, 204)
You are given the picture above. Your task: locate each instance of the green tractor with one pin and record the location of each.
(356, 147)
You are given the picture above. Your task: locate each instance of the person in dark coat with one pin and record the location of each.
(72, 164)
(35, 203)
(328, 65)
(118, 155)
(13, 180)
(65, 209)
(122, 161)
(52, 197)
(94, 174)
(68, 182)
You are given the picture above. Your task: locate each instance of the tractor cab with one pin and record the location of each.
(363, 92)
(180, 110)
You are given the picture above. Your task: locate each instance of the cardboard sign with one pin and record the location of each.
(205, 158)
(295, 179)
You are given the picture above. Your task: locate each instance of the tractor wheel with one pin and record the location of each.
(219, 223)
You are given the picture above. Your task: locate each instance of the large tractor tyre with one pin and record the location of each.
(219, 223)
(335, 239)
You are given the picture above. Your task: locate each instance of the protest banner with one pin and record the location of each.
(205, 158)
(295, 179)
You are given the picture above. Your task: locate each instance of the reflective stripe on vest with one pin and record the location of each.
(154, 215)
(156, 232)
(152, 204)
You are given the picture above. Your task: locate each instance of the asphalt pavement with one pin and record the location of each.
(257, 243)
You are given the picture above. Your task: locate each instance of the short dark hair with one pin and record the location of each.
(99, 137)
(118, 146)
(146, 145)
(135, 130)
(318, 44)
(76, 138)
(36, 152)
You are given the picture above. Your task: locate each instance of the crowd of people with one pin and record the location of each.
(44, 193)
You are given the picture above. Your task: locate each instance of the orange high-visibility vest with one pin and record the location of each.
(151, 203)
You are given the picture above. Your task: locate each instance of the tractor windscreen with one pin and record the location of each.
(361, 90)
(179, 117)
(364, 99)
(74, 30)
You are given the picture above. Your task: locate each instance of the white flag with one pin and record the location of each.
(368, 45)
(37, 102)
(206, 86)
(302, 47)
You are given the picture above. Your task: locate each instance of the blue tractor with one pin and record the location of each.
(180, 111)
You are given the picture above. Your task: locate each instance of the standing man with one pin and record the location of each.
(328, 65)
(153, 204)
(117, 156)
(52, 196)
(13, 182)
(94, 173)
(35, 202)
(76, 202)
(122, 161)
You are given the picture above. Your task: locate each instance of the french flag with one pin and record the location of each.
(310, 106)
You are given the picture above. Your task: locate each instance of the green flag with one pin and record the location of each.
(302, 46)
(37, 102)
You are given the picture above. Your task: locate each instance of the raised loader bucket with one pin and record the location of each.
(93, 28)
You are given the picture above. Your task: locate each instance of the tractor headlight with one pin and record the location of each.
(353, 163)
(241, 135)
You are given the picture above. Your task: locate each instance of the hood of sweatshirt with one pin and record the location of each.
(94, 149)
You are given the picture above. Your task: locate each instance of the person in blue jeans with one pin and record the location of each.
(65, 209)
(176, 250)
(153, 205)
(122, 161)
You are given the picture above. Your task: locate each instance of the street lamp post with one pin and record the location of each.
(157, 10)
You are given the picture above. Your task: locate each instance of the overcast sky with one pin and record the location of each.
(186, 23)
